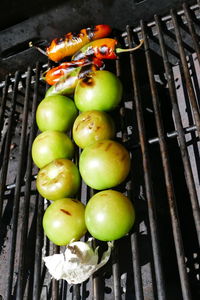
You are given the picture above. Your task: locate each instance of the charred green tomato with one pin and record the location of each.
(104, 164)
(99, 90)
(56, 113)
(58, 179)
(64, 221)
(109, 215)
(92, 126)
(50, 145)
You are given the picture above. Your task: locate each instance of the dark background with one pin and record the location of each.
(74, 13)
(23, 21)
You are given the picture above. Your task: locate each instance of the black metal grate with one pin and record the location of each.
(159, 122)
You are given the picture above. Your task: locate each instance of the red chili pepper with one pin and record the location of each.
(71, 43)
(53, 75)
(102, 49)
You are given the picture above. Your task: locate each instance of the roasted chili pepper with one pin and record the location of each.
(102, 49)
(71, 42)
(67, 83)
(53, 75)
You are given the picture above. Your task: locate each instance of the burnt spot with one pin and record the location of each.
(104, 49)
(123, 157)
(108, 146)
(83, 121)
(87, 81)
(74, 200)
(103, 195)
(79, 55)
(59, 163)
(77, 126)
(75, 250)
(59, 41)
(74, 35)
(90, 33)
(97, 128)
(87, 118)
(85, 70)
(99, 145)
(55, 180)
(80, 35)
(91, 125)
(65, 212)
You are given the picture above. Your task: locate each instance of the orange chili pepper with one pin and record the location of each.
(102, 49)
(53, 75)
(71, 43)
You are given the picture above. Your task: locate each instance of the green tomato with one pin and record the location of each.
(64, 221)
(92, 126)
(58, 179)
(50, 145)
(100, 90)
(104, 164)
(56, 113)
(109, 215)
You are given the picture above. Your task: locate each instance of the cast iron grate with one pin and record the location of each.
(159, 122)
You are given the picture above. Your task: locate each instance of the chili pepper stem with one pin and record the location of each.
(38, 48)
(44, 73)
(120, 50)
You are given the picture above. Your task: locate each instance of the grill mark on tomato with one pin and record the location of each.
(98, 145)
(123, 157)
(83, 121)
(65, 212)
(108, 147)
(90, 126)
(59, 163)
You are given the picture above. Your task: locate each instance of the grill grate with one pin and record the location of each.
(159, 259)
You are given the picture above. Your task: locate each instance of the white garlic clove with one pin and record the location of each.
(77, 263)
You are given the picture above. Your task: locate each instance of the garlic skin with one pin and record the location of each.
(77, 263)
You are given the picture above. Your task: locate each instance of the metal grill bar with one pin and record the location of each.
(181, 135)
(3, 101)
(5, 161)
(22, 148)
(40, 205)
(25, 213)
(139, 295)
(3, 178)
(192, 30)
(38, 250)
(55, 283)
(116, 273)
(115, 253)
(147, 178)
(167, 172)
(186, 72)
(96, 291)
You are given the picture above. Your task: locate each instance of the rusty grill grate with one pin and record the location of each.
(159, 122)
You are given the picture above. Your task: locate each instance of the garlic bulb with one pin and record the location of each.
(77, 263)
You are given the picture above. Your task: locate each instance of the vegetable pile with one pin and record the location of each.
(81, 95)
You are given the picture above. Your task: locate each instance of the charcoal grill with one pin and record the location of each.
(158, 122)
